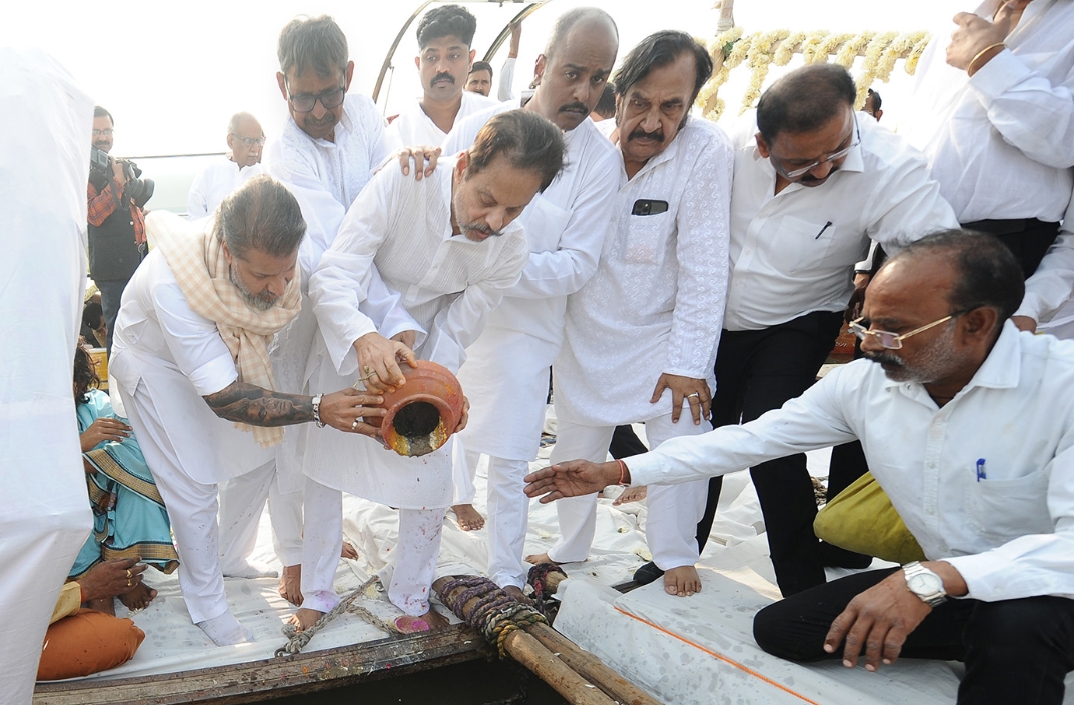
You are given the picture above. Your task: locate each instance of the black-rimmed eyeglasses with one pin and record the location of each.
(304, 102)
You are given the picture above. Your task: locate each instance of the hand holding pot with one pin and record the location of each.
(378, 362)
(343, 410)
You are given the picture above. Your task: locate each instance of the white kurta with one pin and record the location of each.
(506, 373)
(794, 252)
(656, 302)
(402, 228)
(1053, 282)
(44, 157)
(413, 128)
(1001, 143)
(213, 184)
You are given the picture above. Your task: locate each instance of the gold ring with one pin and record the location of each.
(354, 426)
(128, 574)
(129, 583)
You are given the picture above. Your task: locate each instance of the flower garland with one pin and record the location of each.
(761, 50)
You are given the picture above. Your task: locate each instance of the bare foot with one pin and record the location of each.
(138, 597)
(539, 558)
(305, 618)
(631, 494)
(517, 594)
(349, 551)
(468, 518)
(290, 584)
(426, 622)
(682, 581)
(102, 604)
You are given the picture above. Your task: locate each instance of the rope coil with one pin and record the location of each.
(494, 615)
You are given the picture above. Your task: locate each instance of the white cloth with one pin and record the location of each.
(508, 510)
(505, 86)
(672, 520)
(656, 302)
(242, 500)
(327, 176)
(1011, 533)
(794, 252)
(44, 157)
(1053, 282)
(506, 374)
(413, 128)
(1001, 143)
(214, 183)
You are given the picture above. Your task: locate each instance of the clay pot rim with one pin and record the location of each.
(442, 407)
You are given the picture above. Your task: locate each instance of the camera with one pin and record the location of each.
(100, 163)
(137, 189)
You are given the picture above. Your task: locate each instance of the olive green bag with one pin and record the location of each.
(861, 519)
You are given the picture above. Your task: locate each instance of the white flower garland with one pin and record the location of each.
(761, 50)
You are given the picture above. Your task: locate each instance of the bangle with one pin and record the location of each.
(317, 411)
(622, 473)
(969, 67)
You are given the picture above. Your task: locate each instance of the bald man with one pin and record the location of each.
(245, 138)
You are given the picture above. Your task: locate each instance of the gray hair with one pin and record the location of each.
(260, 215)
(315, 42)
(568, 20)
(236, 120)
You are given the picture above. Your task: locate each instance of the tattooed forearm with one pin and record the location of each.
(248, 403)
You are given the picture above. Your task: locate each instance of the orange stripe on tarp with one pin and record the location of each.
(719, 657)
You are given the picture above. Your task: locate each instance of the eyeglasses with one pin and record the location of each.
(891, 341)
(304, 102)
(834, 156)
(107, 133)
(251, 141)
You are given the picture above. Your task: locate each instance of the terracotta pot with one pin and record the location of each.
(424, 412)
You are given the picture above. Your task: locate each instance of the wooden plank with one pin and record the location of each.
(276, 677)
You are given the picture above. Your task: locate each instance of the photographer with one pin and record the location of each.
(116, 220)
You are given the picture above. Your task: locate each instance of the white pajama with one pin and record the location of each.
(242, 499)
(673, 511)
(508, 510)
(408, 575)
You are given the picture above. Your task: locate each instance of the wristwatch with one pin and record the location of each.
(317, 411)
(924, 583)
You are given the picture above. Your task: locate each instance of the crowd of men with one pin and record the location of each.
(668, 274)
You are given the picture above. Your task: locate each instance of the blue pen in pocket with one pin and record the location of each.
(981, 470)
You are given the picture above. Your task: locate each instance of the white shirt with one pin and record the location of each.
(414, 128)
(1053, 282)
(213, 184)
(1011, 534)
(655, 303)
(1001, 143)
(448, 283)
(326, 176)
(505, 86)
(565, 227)
(794, 252)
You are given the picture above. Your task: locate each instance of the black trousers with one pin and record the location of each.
(757, 371)
(1027, 238)
(1015, 651)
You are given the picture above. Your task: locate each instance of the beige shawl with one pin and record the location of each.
(196, 258)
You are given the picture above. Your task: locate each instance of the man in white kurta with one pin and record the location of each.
(506, 370)
(641, 335)
(44, 157)
(993, 110)
(225, 174)
(444, 36)
(325, 166)
(449, 245)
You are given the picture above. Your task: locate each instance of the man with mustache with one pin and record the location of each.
(449, 245)
(245, 138)
(444, 58)
(968, 426)
(192, 366)
(506, 372)
(640, 336)
(813, 185)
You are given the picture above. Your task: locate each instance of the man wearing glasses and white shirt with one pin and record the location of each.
(225, 174)
(811, 189)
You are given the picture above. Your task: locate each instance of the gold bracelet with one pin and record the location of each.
(981, 53)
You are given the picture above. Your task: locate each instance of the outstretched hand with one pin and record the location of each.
(347, 409)
(426, 156)
(571, 479)
(378, 362)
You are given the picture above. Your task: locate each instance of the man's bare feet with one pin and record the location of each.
(631, 494)
(539, 558)
(138, 597)
(291, 584)
(517, 594)
(304, 618)
(468, 517)
(426, 622)
(102, 604)
(349, 551)
(682, 581)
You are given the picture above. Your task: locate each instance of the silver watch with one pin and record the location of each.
(924, 583)
(317, 411)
